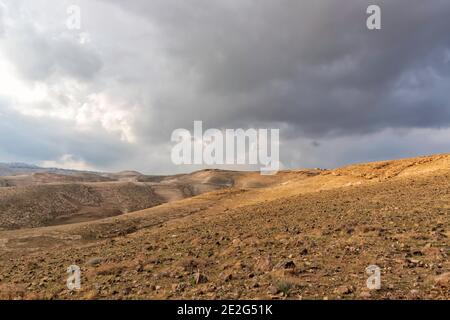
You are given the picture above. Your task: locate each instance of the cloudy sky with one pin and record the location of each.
(107, 96)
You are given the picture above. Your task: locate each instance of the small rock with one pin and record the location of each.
(344, 289)
(304, 252)
(227, 276)
(236, 242)
(414, 261)
(140, 268)
(126, 291)
(264, 264)
(443, 280)
(273, 290)
(286, 265)
(414, 292)
(211, 288)
(289, 264)
(94, 261)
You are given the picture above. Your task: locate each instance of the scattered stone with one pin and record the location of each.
(178, 287)
(236, 242)
(344, 289)
(211, 288)
(140, 268)
(273, 290)
(264, 264)
(443, 280)
(227, 276)
(414, 292)
(412, 263)
(417, 253)
(286, 265)
(94, 261)
(126, 291)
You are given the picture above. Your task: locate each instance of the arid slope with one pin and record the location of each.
(45, 199)
(306, 234)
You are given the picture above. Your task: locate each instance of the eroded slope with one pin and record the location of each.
(310, 236)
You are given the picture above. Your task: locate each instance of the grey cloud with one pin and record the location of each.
(313, 65)
(42, 57)
(382, 145)
(311, 69)
(2, 27)
(41, 46)
(30, 139)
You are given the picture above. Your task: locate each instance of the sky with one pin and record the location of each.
(107, 96)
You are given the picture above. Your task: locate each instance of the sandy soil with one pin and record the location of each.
(303, 234)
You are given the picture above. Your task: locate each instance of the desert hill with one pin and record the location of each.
(301, 234)
(46, 198)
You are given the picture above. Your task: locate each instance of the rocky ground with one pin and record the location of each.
(309, 236)
(47, 199)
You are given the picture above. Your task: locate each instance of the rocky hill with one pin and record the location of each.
(302, 234)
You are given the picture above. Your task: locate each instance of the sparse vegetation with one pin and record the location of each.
(310, 235)
(284, 287)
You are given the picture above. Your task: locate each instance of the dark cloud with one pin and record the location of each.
(312, 69)
(314, 65)
(43, 57)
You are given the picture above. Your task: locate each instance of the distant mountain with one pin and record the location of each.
(17, 168)
(20, 165)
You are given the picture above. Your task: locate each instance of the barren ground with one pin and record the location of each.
(302, 234)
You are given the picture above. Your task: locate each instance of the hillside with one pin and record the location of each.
(52, 204)
(45, 199)
(302, 234)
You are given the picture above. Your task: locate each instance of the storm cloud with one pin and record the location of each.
(110, 94)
